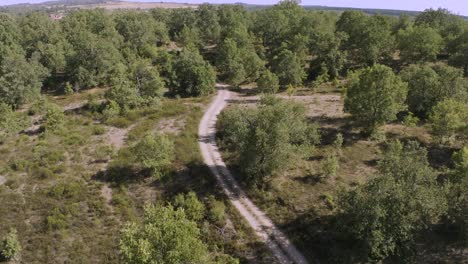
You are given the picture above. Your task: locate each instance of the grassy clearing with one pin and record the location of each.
(65, 211)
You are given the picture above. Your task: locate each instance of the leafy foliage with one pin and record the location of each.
(10, 246)
(386, 213)
(165, 236)
(374, 96)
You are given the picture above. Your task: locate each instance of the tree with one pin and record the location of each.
(10, 246)
(449, 119)
(386, 213)
(374, 96)
(165, 236)
(147, 80)
(193, 208)
(270, 138)
(268, 82)
(448, 25)
(457, 194)
(329, 55)
(140, 29)
(20, 80)
(208, 23)
(289, 69)
(422, 81)
(419, 44)
(230, 63)
(154, 152)
(369, 38)
(9, 37)
(193, 76)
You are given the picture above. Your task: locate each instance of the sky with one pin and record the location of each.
(457, 6)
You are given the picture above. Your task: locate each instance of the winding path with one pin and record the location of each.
(277, 242)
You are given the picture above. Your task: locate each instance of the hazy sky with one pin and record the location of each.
(456, 6)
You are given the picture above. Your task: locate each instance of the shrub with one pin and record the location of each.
(330, 165)
(154, 152)
(194, 209)
(54, 118)
(449, 119)
(111, 110)
(56, 220)
(10, 247)
(98, 130)
(216, 211)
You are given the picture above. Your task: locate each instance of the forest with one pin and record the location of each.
(348, 130)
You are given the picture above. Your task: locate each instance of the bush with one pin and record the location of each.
(330, 165)
(216, 211)
(10, 247)
(194, 209)
(98, 130)
(154, 152)
(111, 110)
(54, 118)
(56, 220)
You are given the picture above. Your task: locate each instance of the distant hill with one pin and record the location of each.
(67, 5)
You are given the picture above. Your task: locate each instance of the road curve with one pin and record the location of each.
(277, 242)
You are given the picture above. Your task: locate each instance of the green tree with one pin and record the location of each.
(154, 152)
(386, 213)
(193, 208)
(369, 38)
(374, 96)
(147, 80)
(329, 54)
(289, 69)
(10, 246)
(419, 44)
(10, 37)
(193, 76)
(165, 236)
(140, 29)
(20, 80)
(268, 82)
(457, 194)
(448, 119)
(270, 138)
(208, 23)
(448, 25)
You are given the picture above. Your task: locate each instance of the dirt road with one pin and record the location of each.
(277, 242)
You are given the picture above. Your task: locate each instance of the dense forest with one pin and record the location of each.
(134, 68)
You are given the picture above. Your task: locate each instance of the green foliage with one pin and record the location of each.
(338, 142)
(374, 96)
(330, 165)
(428, 85)
(410, 120)
(11, 122)
(216, 211)
(165, 236)
(386, 213)
(193, 208)
(111, 110)
(10, 247)
(268, 82)
(154, 152)
(20, 80)
(289, 69)
(193, 76)
(419, 44)
(449, 119)
(369, 38)
(270, 138)
(54, 118)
